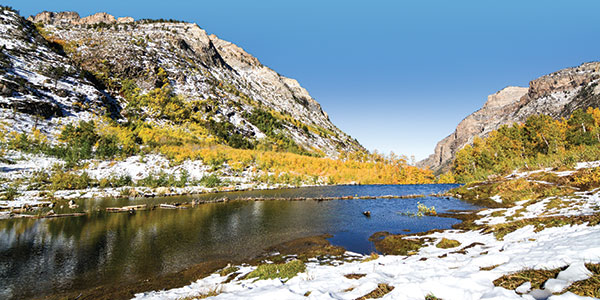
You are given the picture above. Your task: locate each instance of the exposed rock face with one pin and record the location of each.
(479, 123)
(245, 63)
(197, 66)
(96, 18)
(557, 94)
(122, 20)
(73, 18)
(67, 17)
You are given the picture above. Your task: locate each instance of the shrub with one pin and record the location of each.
(107, 146)
(423, 210)
(586, 178)
(398, 245)
(79, 142)
(155, 180)
(10, 193)
(210, 181)
(116, 181)
(264, 121)
(61, 180)
(228, 133)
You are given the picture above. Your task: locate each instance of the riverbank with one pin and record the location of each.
(308, 248)
(539, 240)
(27, 187)
(29, 211)
(31, 180)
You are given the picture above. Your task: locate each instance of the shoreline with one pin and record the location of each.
(14, 212)
(308, 247)
(554, 232)
(523, 239)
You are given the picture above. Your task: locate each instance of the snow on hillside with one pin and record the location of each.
(199, 66)
(30, 95)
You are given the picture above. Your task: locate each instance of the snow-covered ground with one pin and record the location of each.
(454, 276)
(578, 166)
(444, 273)
(582, 203)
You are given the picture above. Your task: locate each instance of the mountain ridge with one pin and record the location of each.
(225, 82)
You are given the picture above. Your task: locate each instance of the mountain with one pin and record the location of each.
(58, 68)
(557, 95)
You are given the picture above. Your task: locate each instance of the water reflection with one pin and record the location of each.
(39, 257)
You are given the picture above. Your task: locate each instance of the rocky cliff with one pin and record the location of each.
(557, 94)
(73, 18)
(63, 66)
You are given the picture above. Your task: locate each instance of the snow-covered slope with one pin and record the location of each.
(38, 86)
(198, 67)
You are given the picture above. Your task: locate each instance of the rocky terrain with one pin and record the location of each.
(557, 94)
(31, 92)
(58, 68)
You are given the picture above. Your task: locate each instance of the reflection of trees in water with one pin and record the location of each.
(103, 248)
(49, 255)
(106, 247)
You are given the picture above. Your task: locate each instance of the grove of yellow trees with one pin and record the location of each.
(539, 142)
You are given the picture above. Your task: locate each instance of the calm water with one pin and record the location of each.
(46, 256)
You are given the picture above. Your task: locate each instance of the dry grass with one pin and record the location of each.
(399, 245)
(228, 270)
(488, 268)
(379, 292)
(212, 293)
(589, 287)
(371, 257)
(354, 276)
(501, 230)
(272, 271)
(431, 296)
(536, 277)
(511, 191)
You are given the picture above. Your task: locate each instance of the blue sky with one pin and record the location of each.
(396, 75)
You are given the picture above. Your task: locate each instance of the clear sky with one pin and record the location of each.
(396, 75)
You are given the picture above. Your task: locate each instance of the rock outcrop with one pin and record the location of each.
(97, 18)
(557, 94)
(123, 20)
(73, 18)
